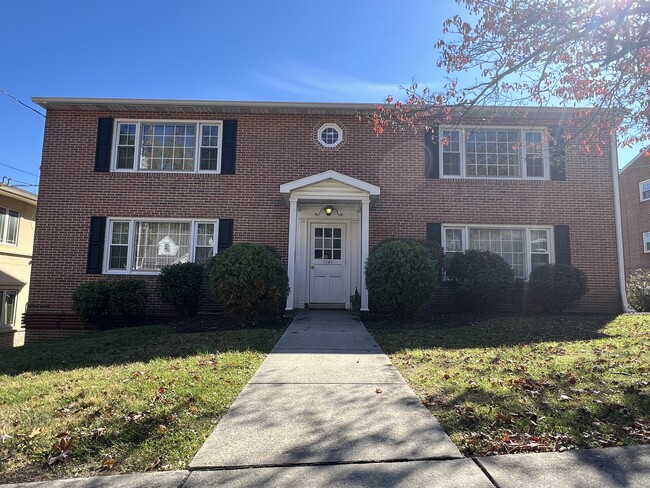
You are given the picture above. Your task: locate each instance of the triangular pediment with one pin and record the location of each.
(329, 184)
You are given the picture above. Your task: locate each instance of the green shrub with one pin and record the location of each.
(555, 286)
(91, 301)
(481, 279)
(638, 291)
(180, 285)
(250, 281)
(101, 302)
(128, 298)
(401, 276)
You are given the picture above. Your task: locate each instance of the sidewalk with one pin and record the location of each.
(327, 408)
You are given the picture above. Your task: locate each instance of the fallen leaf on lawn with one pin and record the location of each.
(62, 434)
(163, 429)
(4, 437)
(445, 376)
(565, 398)
(156, 464)
(378, 391)
(35, 432)
(107, 463)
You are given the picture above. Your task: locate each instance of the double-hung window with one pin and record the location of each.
(174, 146)
(523, 248)
(494, 153)
(8, 307)
(147, 245)
(646, 242)
(644, 190)
(9, 226)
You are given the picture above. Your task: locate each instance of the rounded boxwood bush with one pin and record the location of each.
(91, 301)
(250, 281)
(401, 276)
(180, 285)
(638, 291)
(555, 286)
(481, 279)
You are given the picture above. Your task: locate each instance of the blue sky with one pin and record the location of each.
(334, 51)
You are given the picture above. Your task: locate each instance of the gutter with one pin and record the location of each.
(618, 225)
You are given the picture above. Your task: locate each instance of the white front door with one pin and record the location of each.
(327, 264)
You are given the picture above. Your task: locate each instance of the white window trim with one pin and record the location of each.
(641, 191)
(197, 154)
(328, 126)
(11, 326)
(522, 154)
(646, 237)
(527, 240)
(129, 257)
(3, 237)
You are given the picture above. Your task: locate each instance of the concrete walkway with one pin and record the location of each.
(327, 408)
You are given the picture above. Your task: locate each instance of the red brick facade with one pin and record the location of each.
(635, 214)
(275, 148)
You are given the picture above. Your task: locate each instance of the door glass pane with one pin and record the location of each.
(327, 247)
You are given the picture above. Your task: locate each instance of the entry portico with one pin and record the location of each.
(329, 229)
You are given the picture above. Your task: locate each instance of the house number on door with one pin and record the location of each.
(327, 261)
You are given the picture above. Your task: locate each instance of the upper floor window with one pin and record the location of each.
(644, 190)
(646, 242)
(9, 226)
(330, 135)
(494, 153)
(146, 246)
(523, 248)
(167, 146)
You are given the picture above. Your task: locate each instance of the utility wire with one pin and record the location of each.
(23, 103)
(18, 169)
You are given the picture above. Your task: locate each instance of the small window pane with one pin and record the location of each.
(453, 240)
(646, 242)
(118, 257)
(126, 146)
(8, 307)
(12, 227)
(645, 190)
(204, 249)
(336, 254)
(329, 136)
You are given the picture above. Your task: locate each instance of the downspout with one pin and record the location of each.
(617, 223)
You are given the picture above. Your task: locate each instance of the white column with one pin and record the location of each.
(365, 238)
(291, 257)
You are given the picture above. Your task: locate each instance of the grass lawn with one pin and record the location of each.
(530, 384)
(126, 400)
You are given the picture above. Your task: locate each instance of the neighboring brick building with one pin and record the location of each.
(634, 184)
(130, 185)
(17, 217)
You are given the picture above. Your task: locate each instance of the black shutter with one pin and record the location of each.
(104, 145)
(225, 234)
(431, 154)
(229, 147)
(562, 244)
(434, 233)
(557, 153)
(96, 245)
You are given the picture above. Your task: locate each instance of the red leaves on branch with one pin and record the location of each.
(541, 52)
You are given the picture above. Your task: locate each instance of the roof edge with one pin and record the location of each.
(19, 193)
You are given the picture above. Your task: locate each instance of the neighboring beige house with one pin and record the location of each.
(17, 219)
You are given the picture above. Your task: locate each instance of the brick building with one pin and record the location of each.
(128, 186)
(634, 184)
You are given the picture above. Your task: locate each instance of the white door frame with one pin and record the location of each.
(329, 187)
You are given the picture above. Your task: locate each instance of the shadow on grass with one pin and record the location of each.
(136, 344)
(470, 331)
